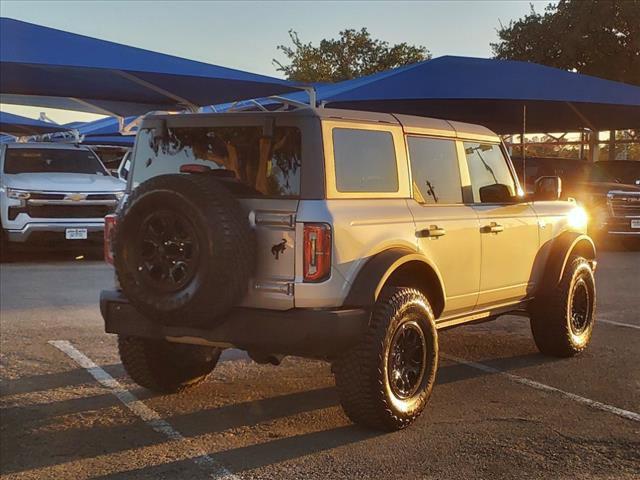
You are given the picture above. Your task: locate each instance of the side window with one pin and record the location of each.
(487, 166)
(435, 171)
(365, 161)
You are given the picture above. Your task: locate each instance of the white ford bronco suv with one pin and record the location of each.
(339, 235)
(53, 192)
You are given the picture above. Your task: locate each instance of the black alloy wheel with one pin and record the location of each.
(168, 250)
(407, 359)
(580, 307)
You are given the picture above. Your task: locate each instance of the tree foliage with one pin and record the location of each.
(595, 37)
(352, 55)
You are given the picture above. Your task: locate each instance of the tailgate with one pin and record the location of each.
(274, 224)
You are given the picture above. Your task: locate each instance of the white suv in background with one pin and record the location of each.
(54, 193)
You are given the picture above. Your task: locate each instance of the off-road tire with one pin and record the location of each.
(362, 376)
(165, 367)
(224, 241)
(551, 314)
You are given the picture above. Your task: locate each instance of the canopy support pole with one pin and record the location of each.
(157, 89)
(612, 145)
(579, 114)
(522, 147)
(313, 97)
(94, 107)
(287, 101)
(594, 146)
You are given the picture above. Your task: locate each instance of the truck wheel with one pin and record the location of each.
(386, 380)
(166, 367)
(562, 321)
(184, 251)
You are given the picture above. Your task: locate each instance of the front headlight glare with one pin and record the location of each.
(578, 218)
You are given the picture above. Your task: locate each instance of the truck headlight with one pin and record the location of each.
(578, 218)
(18, 194)
(119, 195)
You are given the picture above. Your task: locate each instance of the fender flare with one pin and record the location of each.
(374, 274)
(563, 247)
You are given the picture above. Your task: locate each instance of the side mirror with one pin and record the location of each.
(548, 188)
(496, 193)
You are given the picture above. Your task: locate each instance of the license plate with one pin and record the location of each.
(75, 234)
(635, 223)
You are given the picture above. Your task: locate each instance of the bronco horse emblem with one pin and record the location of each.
(279, 248)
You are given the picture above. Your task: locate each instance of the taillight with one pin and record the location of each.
(317, 252)
(109, 229)
(194, 168)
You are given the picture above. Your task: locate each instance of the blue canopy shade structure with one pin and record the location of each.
(109, 140)
(18, 126)
(106, 131)
(104, 126)
(52, 68)
(492, 93)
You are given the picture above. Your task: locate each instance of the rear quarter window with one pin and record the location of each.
(365, 160)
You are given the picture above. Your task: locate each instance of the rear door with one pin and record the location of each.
(508, 230)
(448, 230)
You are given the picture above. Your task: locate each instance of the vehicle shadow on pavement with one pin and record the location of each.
(260, 455)
(40, 255)
(26, 428)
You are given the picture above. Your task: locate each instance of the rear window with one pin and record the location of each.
(435, 171)
(249, 162)
(49, 160)
(365, 161)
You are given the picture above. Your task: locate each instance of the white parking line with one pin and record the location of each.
(138, 408)
(619, 324)
(547, 388)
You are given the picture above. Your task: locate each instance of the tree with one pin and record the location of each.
(352, 55)
(595, 37)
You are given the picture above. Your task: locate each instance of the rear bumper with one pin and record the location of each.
(621, 226)
(54, 231)
(303, 332)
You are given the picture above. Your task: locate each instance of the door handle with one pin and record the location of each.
(433, 231)
(493, 227)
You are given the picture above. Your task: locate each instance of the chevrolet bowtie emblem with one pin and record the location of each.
(75, 197)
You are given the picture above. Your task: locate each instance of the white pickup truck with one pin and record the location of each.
(52, 193)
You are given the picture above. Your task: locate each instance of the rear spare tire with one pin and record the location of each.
(183, 249)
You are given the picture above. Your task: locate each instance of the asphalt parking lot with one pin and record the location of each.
(500, 409)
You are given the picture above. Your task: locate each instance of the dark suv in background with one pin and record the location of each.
(609, 190)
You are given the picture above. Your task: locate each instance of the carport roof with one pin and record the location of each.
(19, 126)
(493, 93)
(52, 68)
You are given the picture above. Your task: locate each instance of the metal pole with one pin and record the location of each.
(612, 144)
(522, 149)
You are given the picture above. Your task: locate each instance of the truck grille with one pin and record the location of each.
(624, 204)
(62, 196)
(69, 211)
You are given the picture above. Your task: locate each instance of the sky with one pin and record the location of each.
(244, 35)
